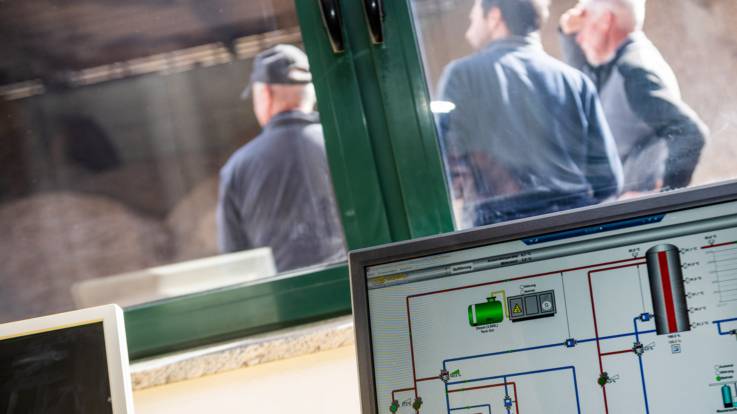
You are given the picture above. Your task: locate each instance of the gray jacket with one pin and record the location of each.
(659, 137)
(276, 191)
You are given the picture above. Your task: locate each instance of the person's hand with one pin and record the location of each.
(629, 195)
(572, 20)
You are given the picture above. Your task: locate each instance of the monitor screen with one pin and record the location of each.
(72, 362)
(62, 370)
(637, 315)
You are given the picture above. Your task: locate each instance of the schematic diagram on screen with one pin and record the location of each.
(615, 331)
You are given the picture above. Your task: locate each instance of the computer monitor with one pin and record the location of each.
(623, 308)
(74, 362)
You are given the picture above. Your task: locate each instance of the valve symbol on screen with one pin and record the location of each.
(444, 375)
(508, 402)
(605, 378)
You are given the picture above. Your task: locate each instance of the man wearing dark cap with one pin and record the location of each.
(527, 134)
(276, 190)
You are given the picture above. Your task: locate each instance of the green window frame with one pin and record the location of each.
(387, 173)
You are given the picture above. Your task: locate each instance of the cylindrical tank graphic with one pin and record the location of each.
(727, 396)
(485, 313)
(667, 289)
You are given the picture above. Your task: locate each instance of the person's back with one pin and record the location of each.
(530, 131)
(282, 190)
(276, 190)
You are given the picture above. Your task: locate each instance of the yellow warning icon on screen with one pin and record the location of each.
(517, 308)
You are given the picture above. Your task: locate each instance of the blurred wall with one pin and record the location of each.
(63, 223)
(322, 383)
(171, 132)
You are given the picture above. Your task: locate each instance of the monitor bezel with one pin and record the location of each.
(116, 347)
(360, 260)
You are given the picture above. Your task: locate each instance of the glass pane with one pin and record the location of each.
(116, 121)
(598, 109)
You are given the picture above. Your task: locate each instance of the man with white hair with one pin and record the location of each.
(659, 137)
(276, 190)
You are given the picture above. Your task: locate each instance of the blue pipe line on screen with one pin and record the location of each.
(557, 344)
(521, 374)
(636, 334)
(642, 369)
(604, 338)
(488, 406)
(447, 398)
(719, 326)
(500, 353)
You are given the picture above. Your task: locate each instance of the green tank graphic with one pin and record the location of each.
(485, 313)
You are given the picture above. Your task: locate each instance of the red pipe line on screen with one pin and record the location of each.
(409, 319)
(711, 246)
(624, 351)
(399, 390)
(512, 383)
(596, 326)
(427, 379)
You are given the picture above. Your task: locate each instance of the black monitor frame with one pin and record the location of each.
(359, 260)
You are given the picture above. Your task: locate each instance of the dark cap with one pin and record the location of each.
(282, 64)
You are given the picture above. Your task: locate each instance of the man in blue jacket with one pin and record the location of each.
(276, 190)
(527, 134)
(658, 136)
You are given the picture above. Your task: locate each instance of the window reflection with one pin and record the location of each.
(671, 119)
(115, 119)
(659, 137)
(528, 135)
(275, 190)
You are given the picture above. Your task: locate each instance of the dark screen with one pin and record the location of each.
(62, 371)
